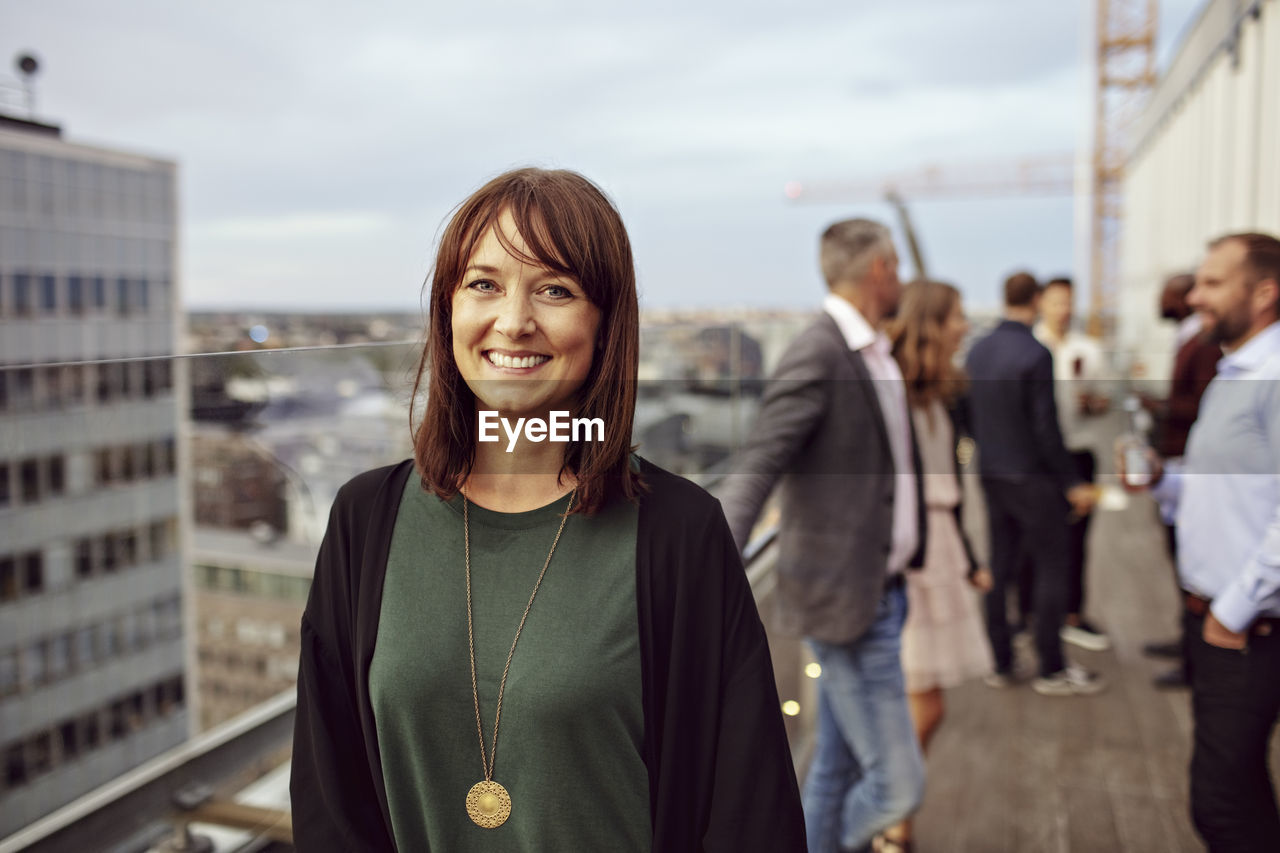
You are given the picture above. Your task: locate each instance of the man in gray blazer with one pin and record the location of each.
(834, 435)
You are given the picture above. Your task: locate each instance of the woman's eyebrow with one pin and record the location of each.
(544, 274)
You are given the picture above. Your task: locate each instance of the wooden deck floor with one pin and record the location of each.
(1010, 770)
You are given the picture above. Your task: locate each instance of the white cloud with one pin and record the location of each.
(321, 143)
(317, 226)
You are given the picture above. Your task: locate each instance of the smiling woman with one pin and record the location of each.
(587, 605)
(533, 306)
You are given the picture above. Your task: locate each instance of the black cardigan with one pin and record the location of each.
(720, 772)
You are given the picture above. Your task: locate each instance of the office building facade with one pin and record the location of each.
(92, 661)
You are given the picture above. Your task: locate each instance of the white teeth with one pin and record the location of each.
(499, 360)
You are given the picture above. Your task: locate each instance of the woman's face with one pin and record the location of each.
(523, 335)
(954, 328)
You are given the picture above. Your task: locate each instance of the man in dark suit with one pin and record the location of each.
(833, 434)
(1031, 484)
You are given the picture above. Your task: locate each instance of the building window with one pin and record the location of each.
(5, 497)
(146, 625)
(103, 469)
(49, 378)
(32, 573)
(8, 579)
(9, 681)
(41, 755)
(127, 471)
(122, 297)
(148, 379)
(22, 294)
(57, 476)
(48, 294)
(29, 480)
(73, 384)
(128, 631)
(75, 294)
(169, 618)
(206, 576)
(92, 730)
(33, 664)
(127, 548)
(127, 379)
(163, 702)
(84, 558)
(70, 736)
(58, 661)
(137, 710)
(99, 293)
(15, 766)
(141, 295)
(110, 558)
(104, 383)
(164, 374)
(170, 458)
(114, 373)
(161, 539)
(108, 641)
(24, 390)
(83, 648)
(119, 727)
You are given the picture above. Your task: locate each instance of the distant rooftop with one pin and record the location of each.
(9, 122)
(242, 548)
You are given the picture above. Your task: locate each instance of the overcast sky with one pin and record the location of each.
(322, 144)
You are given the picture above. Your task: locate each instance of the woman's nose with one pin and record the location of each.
(515, 317)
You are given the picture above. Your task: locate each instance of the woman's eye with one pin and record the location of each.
(483, 285)
(555, 291)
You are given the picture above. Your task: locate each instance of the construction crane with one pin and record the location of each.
(1041, 176)
(1124, 74)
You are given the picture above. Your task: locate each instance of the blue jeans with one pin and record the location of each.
(867, 772)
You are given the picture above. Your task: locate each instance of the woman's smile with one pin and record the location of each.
(520, 362)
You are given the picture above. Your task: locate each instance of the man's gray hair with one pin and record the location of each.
(848, 248)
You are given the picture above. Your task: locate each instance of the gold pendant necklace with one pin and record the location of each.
(488, 803)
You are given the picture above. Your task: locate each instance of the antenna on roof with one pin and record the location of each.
(27, 66)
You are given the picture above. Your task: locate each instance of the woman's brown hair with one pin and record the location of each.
(917, 333)
(571, 228)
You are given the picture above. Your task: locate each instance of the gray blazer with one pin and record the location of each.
(821, 439)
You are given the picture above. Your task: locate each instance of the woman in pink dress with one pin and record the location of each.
(943, 641)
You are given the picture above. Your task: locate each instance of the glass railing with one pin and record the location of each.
(160, 518)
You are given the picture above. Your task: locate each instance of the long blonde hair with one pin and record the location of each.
(917, 334)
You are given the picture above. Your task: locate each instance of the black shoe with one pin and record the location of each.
(1174, 679)
(1171, 649)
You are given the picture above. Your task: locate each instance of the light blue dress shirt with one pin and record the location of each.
(1227, 488)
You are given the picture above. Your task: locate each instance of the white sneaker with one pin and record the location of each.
(1085, 636)
(1072, 681)
(999, 680)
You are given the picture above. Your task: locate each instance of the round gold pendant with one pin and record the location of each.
(488, 804)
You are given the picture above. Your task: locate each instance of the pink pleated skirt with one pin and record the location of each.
(944, 641)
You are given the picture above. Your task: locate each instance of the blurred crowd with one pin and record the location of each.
(877, 573)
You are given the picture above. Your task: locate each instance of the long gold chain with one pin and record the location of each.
(489, 759)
